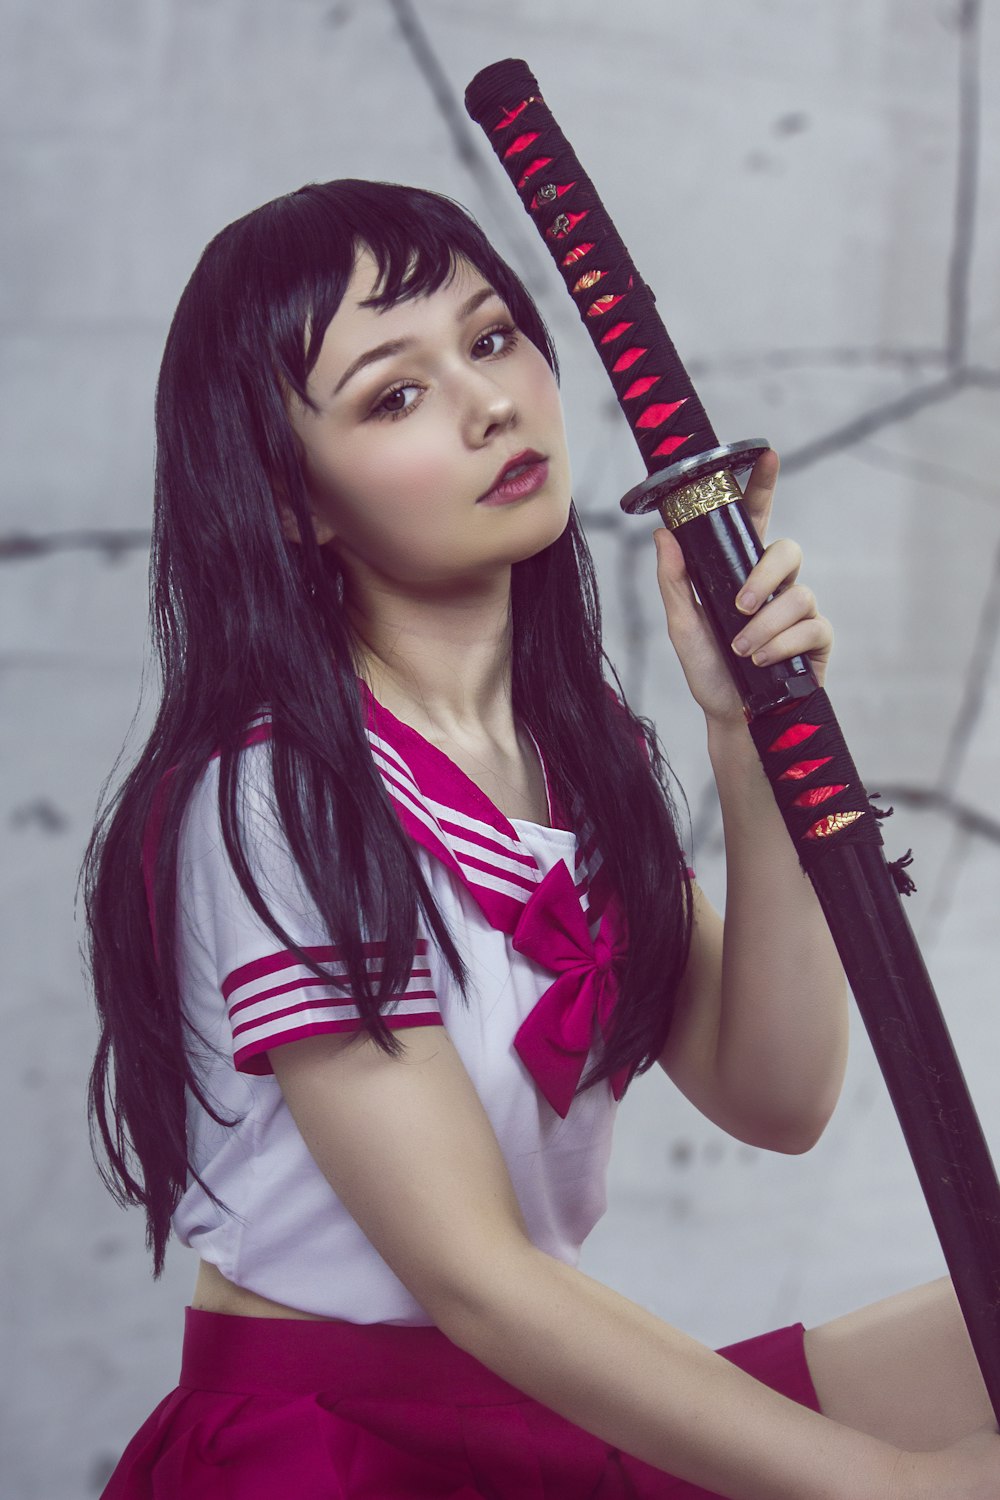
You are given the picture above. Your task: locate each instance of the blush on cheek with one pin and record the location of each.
(426, 483)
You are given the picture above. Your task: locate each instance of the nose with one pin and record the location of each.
(489, 407)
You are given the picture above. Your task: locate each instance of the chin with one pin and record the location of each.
(537, 537)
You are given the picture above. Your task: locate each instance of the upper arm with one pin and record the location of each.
(689, 1055)
(406, 1145)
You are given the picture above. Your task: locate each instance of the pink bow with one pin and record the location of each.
(554, 1040)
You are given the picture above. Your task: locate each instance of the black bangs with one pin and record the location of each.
(303, 249)
(413, 260)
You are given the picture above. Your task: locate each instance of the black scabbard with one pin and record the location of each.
(693, 482)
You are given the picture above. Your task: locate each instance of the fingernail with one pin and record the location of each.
(741, 645)
(760, 658)
(746, 601)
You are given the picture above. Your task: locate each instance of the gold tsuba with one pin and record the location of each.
(698, 498)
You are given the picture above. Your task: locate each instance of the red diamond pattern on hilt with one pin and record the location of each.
(562, 225)
(657, 414)
(628, 358)
(671, 445)
(826, 827)
(536, 158)
(794, 735)
(521, 144)
(641, 386)
(536, 166)
(587, 280)
(511, 115)
(604, 304)
(816, 795)
(803, 768)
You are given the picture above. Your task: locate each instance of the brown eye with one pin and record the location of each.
(496, 341)
(389, 406)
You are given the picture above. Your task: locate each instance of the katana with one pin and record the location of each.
(693, 481)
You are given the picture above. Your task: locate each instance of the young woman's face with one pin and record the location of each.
(406, 441)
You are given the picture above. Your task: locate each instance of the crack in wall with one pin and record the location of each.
(968, 819)
(836, 357)
(981, 659)
(114, 543)
(464, 138)
(850, 433)
(925, 471)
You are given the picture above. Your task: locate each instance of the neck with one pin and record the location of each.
(441, 662)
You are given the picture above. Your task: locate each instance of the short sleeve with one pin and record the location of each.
(270, 996)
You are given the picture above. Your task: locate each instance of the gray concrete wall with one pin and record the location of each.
(811, 189)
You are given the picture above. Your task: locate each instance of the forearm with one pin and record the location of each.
(642, 1386)
(783, 1023)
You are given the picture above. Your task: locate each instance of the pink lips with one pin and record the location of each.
(533, 470)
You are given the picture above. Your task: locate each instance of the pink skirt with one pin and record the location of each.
(326, 1411)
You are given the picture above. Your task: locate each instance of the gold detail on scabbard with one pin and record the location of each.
(826, 827)
(699, 498)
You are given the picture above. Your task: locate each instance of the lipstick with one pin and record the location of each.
(521, 477)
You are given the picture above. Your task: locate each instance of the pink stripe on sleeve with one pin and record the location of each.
(253, 1058)
(276, 999)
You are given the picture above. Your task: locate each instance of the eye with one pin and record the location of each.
(388, 406)
(498, 341)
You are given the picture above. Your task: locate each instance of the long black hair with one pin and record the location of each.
(243, 619)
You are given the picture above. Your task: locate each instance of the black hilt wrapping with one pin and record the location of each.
(802, 749)
(615, 305)
(720, 548)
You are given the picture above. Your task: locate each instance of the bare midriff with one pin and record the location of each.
(214, 1292)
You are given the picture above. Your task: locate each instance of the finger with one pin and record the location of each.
(675, 585)
(671, 571)
(758, 496)
(811, 638)
(781, 613)
(775, 570)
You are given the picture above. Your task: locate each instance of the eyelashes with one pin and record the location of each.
(382, 411)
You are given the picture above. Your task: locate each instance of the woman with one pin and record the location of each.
(414, 912)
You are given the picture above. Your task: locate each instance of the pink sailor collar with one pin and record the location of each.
(451, 817)
(548, 919)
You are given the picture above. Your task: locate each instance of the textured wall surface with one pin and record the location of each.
(811, 190)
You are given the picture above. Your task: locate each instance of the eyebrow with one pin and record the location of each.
(396, 346)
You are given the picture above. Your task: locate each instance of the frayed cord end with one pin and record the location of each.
(897, 868)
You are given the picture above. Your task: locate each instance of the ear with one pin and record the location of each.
(324, 532)
(322, 529)
(289, 525)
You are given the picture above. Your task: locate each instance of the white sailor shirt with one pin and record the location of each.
(532, 919)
